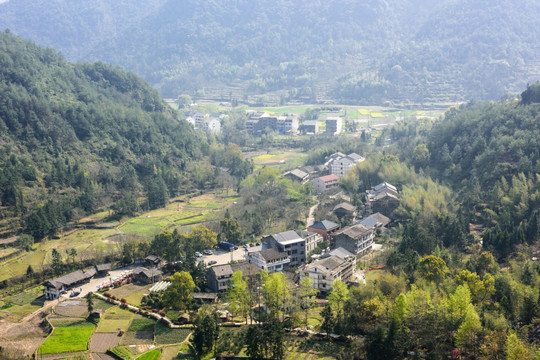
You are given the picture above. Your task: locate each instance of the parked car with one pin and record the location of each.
(198, 254)
(212, 262)
(208, 252)
(74, 293)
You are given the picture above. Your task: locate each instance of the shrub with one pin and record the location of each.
(123, 300)
(107, 294)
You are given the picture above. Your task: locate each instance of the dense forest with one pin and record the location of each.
(78, 138)
(355, 51)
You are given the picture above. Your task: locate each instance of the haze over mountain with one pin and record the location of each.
(351, 51)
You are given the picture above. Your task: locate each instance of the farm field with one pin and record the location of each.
(68, 339)
(133, 293)
(102, 237)
(101, 342)
(151, 355)
(114, 320)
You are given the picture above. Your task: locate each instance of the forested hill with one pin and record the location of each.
(490, 153)
(77, 138)
(352, 51)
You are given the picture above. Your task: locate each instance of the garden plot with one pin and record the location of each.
(160, 286)
(67, 339)
(133, 293)
(101, 342)
(114, 320)
(72, 308)
(140, 332)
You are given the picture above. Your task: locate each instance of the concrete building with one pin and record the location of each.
(356, 239)
(218, 277)
(324, 183)
(340, 164)
(325, 228)
(272, 259)
(339, 264)
(334, 125)
(297, 244)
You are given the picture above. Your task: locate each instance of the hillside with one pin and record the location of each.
(368, 51)
(76, 138)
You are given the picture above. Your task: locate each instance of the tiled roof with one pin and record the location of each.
(330, 177)
(273, 254)
(355, 231)
(324, 225)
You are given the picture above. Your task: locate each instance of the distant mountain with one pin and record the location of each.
(351, 51)
(76, 138)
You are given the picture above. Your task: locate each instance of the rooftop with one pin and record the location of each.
(355, 231)
(330, 177)
(324, 225)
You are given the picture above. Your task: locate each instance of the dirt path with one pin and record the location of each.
(42, 309)
(310, 219)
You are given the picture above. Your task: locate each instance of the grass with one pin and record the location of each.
(164, 335)
(25, 297)
(67, 339)
(114, 319)
(142, 324)
(124, 352)
(133, 293)
(64, 322)
(151, 355)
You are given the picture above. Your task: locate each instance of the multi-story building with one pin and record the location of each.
(334, 125)
(339, 264)
(297, 244)
(340, 164)
(271, 259)
(356, 239)
(325, 228)
(219, 277)
(324, 183)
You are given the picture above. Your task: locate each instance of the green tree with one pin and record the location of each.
(420, 156)
(202, 237)
(90, 302)
(205, 334)
(29, 271)
(178, 294)
(514, 348)
(337, 298)
(240, 298)
(306, 296)
(183, 101)
(432, 268)
(231, 230)
(57, 264)
(468, 333)
(275, 293)
(255, 342)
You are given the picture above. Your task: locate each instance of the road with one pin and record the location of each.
(311, 219)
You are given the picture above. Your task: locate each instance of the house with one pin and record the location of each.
(310, 127)
(205, 297)
(218, 277)
(287, 124)
(199, 119)
(152, 261)
(384, 203)
(297, 175)
(103, 269)
(324, 271)
(375, 221)
(340, 164)
(148, 276)
(296, 243)
(191, 120)
(325, 228)
(57, 286)
(356, 239)
(212, 125)
(272, 259)
(382, 187)
(345, 210)
(324, 183)
(334, 125)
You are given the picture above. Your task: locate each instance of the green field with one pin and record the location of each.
(115, 319)
(164, 335)
(100, 239)
(124, 352)
(151, 355)
(142, 324)
(67, 339)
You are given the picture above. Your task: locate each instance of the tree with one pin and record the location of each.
(255, 342)
(240, 299)
(183, 101)
(29, 271)
(275, 293)
(514, 348)
(205, 334)
(202, 237)
(90, 303)
(231, 230)
(57, 263)
(306, 296)
(25, 242)
(178, 294)
(432, 268)
(468, 333)
(420, 156)
(337, 298)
